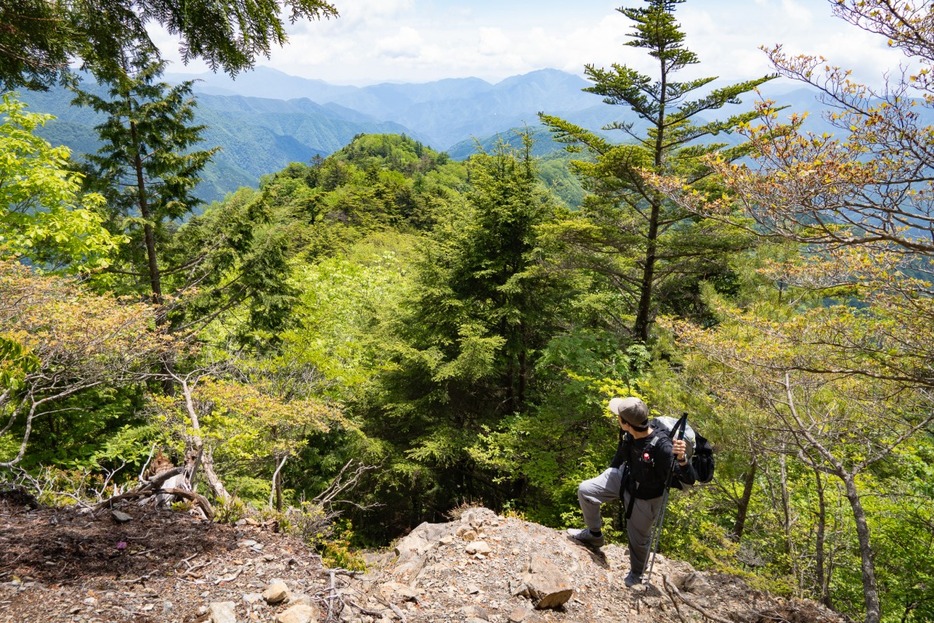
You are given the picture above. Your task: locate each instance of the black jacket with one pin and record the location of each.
(648, 462)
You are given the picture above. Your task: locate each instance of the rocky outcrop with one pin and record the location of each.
(481, 567)
(477, 568)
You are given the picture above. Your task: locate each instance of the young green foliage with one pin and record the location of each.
(44, 217)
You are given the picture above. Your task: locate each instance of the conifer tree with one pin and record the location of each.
(648, 246)
(146, 167)
(464, 355)
(39, 38)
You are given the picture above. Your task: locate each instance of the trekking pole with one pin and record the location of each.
(678, 433)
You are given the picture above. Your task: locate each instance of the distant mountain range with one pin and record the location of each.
(266, 119)
(439, 113)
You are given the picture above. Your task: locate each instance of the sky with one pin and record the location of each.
(418, 41)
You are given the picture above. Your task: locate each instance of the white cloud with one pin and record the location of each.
(494, 42)
(407, 43)
(728, 46)
(357, 12)
(423, 40)
(797, 12)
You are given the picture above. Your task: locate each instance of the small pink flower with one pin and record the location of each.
(121, 544)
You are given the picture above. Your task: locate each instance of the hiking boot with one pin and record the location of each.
(586, 536)
(632, 579)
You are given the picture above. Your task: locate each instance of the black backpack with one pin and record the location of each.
(699, 450)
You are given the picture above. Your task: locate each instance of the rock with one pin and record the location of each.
(518, 615)
(451, 586)
(395, 592)
(411, 550)
(419, 541)
(120, 517)
(695, 583)
(299, 613)
(474, 613)
(301, 598)
(467, 534)
(276, 592)
(223, 612)
(477, 517)
(478, 547)
(545, 584)
(253, 545)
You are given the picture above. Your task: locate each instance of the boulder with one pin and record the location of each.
(545, 584)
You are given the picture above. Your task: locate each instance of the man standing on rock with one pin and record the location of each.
(639, 471)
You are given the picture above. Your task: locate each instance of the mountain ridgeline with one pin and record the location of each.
(265, 119)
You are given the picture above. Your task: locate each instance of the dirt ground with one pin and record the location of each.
(62, 565)
(160, 565)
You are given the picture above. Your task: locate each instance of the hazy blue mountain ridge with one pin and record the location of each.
(297, 119)
(257, 136)
(440, 113)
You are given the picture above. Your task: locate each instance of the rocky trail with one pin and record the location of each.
(159, 566)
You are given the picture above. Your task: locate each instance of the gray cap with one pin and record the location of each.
(631, 410)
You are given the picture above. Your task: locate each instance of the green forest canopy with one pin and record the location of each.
(429, 333)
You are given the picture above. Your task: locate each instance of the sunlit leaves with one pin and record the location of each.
(44, 216)
(60, 340)
(344, 298)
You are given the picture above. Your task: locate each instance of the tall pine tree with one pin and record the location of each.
(648, 247)
(146, 167)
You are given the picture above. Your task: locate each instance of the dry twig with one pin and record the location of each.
(673, 591)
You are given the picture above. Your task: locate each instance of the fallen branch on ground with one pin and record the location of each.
(673, 591)
(153, 486)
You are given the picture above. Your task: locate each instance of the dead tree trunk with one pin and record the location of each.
(196, 443)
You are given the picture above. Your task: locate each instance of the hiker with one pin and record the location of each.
(645, 456)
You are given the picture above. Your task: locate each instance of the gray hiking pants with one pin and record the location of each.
(605, 488)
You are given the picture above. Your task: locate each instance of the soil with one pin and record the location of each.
(150, 565)
(58, 564)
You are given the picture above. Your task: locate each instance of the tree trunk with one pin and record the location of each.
(197, 446)
(788, 521)
(820, 548)
(211, 477)
(149, 234)
(870, 589)
(275, 495)
(646, 287)
(740, 525)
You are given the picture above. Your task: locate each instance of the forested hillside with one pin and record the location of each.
(369, 339)
(257, 135)
(264, 120)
